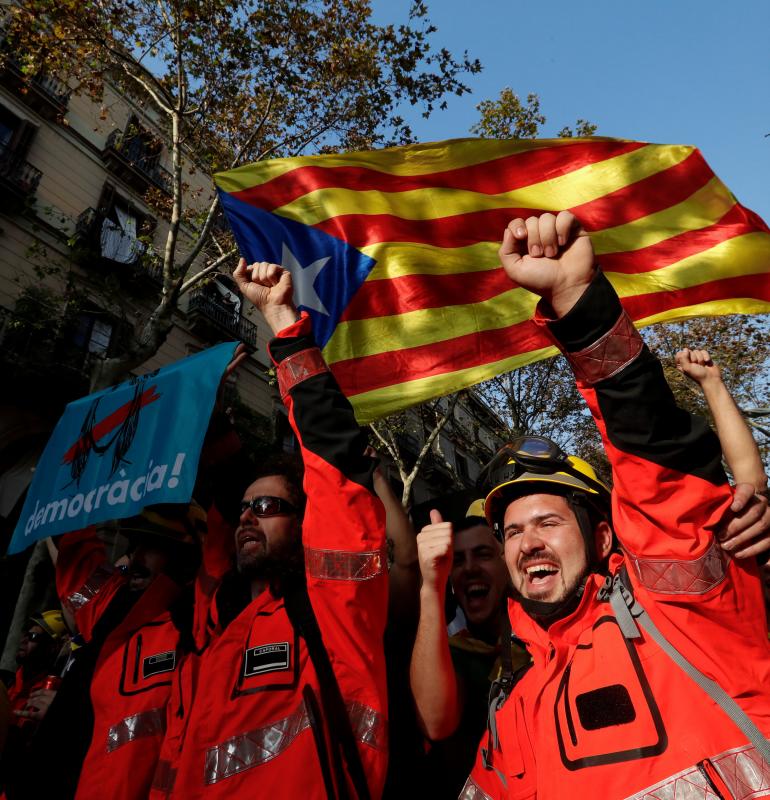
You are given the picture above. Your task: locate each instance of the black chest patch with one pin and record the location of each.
(160, 662)
(266, 658)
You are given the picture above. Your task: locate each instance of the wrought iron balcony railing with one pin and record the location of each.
(35, 88)
(134, 151)
(100, 237)
(18, 172)
(228, 319)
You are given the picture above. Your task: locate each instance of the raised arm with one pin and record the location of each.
(740, 450)
(432, 676)
(343, 530)
(670, 493)
(747, 534)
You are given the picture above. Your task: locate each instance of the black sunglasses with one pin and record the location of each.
(34, 636)
(268, 506)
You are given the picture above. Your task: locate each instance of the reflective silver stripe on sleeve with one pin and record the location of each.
(369, 726)
(673, 576)
(344, 565)
(472, 791)
(745, 772)
(146, 723)
(90, 588)
(255, 747)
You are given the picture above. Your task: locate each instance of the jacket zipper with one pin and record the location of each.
(137, 659)
(715, 782)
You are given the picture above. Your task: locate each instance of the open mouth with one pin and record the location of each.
(541, 576)
(476, 594)
(250, 540)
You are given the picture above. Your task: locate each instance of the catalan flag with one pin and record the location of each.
(394, 252)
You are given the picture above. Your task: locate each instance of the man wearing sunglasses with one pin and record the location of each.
(651, 665)
(290, 699)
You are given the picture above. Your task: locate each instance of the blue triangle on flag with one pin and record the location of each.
(262, 236)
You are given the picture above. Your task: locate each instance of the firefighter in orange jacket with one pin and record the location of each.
(605, 710)
(135, 617)
(262, 722)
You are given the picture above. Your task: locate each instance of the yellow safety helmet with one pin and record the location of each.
(52, 622)
(532, 462)
(476, 509)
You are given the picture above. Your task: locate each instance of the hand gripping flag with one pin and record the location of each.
(394, 252)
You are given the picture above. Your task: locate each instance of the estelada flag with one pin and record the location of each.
(394, 252)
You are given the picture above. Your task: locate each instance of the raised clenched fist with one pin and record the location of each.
(550, 255)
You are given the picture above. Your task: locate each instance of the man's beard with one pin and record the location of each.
(287, 561)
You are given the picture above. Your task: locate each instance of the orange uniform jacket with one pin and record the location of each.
(132, 678)
(600, 716)
(256, 711)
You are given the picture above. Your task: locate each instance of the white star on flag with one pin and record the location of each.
(303, 279)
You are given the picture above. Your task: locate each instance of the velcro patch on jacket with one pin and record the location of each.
(266, 658)
(160, 662)
(610, 705)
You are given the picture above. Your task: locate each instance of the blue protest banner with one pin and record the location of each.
(116, 451)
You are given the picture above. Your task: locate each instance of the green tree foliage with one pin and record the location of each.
(510, 118)
(233, 81)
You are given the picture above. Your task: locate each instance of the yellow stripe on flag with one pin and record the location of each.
(378, 403)
(397, 259)
(702, 208)
(712, 308)
(573, 189)
(367, 337)
(742, 255)
(415, 159)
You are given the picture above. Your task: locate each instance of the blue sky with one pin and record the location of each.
(671, 71)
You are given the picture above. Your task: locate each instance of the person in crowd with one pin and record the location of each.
(39, 649)
(31, 694)
(451, 676)
(136, 623)
(626, 647)
(290, 699)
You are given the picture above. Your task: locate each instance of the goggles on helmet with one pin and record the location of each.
(527, 458)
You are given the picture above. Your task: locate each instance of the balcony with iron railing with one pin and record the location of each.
(18, 178)
(98, 240)
(45, 93)
(210, 315)
(132, 158)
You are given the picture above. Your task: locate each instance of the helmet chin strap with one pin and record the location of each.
(546, 613)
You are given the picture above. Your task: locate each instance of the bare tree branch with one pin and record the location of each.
(190, 282)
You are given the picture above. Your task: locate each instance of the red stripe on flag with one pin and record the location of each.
(750, 286)
(738, 221)
(653, 193)
(488, 177)
(357, 375)
(109, 423)
(647, 196)
(388, 296)
(461, 230)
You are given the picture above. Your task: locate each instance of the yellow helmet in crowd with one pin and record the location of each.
(530, 463)
(52, 622)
